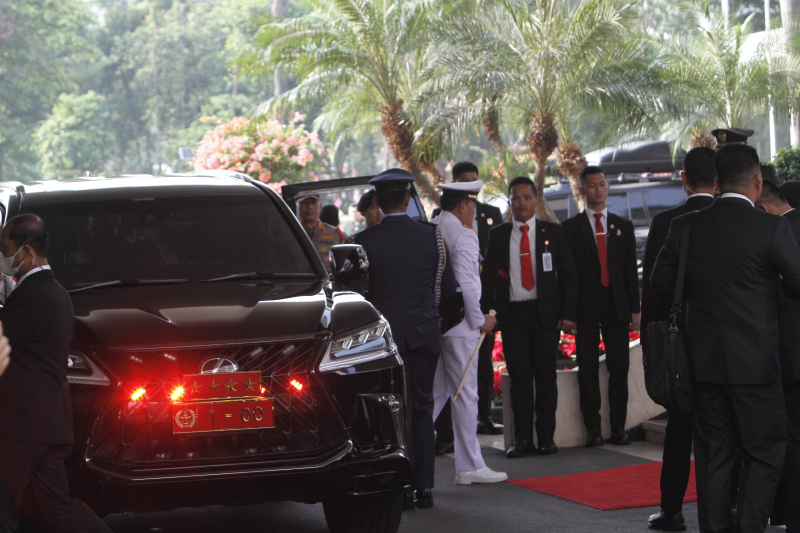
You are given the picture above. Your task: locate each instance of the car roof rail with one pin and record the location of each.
(221, 173)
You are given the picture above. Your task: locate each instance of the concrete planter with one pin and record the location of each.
(570, 430)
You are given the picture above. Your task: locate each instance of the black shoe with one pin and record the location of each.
(520, 449)
(666, 521)
(487, 427)
(445, 447)
(424, 498)
(409, 501)
(594, 440)
(552, 449)
(620, 439)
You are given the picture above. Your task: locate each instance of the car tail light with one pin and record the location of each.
(297, 385)
(177, 394)
(138, 394)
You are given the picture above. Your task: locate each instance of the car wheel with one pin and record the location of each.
(380, 515)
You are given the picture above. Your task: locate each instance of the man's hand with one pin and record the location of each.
(567, 326)
(636, 321)
(5, 351)
(489, 323)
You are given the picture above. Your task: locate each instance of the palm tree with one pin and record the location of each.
(362, 60)
(532, 64)
(711, 77)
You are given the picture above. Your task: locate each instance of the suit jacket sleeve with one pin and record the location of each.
(568, 278)
(489, 274)
(655, 239)
(631, 274)
(785, 254)
(665, 270)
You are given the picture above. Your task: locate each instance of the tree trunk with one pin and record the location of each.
(570, 162)
(492, 130)
(703, 139)
(278, 10)
(789, 12)
(543, 210)
(396, 129)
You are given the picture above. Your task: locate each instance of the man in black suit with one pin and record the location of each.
(486, 217)
(408, 272)
(604, 247)
(786, 510)
(35, 403)
(736, 255)
(533, 305)
(698, 182)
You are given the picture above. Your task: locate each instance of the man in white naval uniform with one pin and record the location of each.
(458, 343)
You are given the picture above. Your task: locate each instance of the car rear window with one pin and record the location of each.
(189, 238)
(662, 198)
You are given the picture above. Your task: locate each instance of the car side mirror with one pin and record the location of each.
(348, 262)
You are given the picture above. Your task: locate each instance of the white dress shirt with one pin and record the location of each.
(737, 195)
(593, 220)
(32, 271)
(518, 293)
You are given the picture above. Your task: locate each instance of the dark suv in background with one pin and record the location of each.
(643, 180)
(213, 360)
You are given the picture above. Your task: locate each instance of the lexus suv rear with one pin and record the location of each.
(214, 361)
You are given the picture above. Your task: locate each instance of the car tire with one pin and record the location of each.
(379, 515)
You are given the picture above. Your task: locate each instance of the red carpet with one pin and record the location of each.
(625, 487)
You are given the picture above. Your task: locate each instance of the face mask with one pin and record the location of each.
(6, 262)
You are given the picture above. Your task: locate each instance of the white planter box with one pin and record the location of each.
(570, 430)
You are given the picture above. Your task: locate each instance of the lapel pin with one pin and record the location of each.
(488, 220)
(619, 232)
(612, 226)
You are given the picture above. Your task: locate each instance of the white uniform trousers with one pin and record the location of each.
(456, 353)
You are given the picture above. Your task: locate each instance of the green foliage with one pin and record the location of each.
(787, 164)
(74, 139)
(40, 42)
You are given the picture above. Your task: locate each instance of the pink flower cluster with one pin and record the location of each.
(266, 150)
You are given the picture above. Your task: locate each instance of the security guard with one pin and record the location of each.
(322, 235)
(459, 202)
(409, 272)
(731, 135)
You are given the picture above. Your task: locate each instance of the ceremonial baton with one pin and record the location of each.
(492, 312)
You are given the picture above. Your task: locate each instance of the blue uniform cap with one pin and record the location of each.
(394, 178)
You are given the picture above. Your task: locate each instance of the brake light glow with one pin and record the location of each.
(137, 394)
(176, 394)
(296, 384)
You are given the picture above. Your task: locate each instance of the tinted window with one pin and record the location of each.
(170, 238)
(618, 204)
(638, 215)
(662, 198)
(560, 207)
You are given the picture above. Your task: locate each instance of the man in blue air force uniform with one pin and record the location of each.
(409, 272)
(458, 344)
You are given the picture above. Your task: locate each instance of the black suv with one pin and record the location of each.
(637, 200)
(214, 361)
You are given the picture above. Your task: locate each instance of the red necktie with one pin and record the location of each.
(525, 259)
(601, 250)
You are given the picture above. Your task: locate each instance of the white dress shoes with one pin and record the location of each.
(484, 475)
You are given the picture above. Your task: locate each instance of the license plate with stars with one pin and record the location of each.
(229, 401)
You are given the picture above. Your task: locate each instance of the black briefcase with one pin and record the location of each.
(667, 366)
